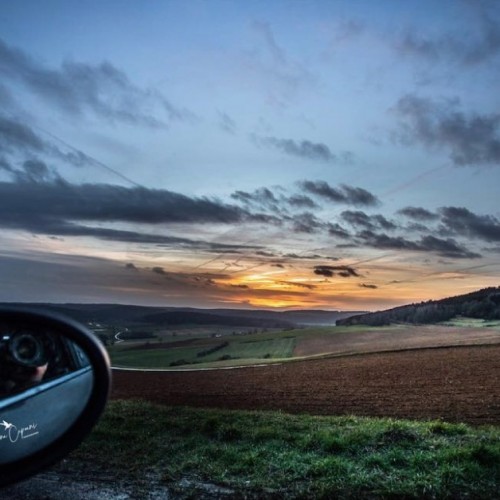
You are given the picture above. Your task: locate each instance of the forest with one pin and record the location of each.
(481, 304)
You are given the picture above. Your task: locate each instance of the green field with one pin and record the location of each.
(461, 321)
(242, 349)
(245, 348)
(276, 455)
(229, 349)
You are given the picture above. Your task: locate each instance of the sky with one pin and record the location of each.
(284, 154)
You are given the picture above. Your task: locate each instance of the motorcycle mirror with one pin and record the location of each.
(54, 383)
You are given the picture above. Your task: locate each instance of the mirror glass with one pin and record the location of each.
(46, 381)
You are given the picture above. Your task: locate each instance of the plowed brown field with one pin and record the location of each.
(458, 384)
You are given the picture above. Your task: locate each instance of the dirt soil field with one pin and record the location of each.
(457, 384)
(405, 337)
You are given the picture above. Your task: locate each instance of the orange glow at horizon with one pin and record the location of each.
(301, 289)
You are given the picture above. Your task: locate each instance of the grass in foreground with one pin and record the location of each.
(264, 454)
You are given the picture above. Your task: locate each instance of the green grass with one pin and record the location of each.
(264, 454)
(152, 358)
(462, 321)
(272, 347)
(242, 348)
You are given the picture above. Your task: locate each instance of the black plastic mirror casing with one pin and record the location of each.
(99, 362)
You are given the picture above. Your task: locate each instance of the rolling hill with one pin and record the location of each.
(481, 304)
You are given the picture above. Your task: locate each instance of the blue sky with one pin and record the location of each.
(249, 154)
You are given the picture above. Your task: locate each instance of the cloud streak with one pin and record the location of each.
(53, 206)
(444, 247)
(330, 271)
(418, 213)
(344, 194)
(315, 151)
(357, 218)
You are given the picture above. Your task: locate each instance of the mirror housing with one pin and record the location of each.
(55, 379)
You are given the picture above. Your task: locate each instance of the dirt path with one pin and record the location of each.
(456, 384)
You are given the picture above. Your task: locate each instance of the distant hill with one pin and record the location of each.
(209, 318)
(121, 314)
(299, 316)
(482, 304)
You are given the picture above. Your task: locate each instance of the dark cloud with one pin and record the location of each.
(305, 222)
(243, 196)
(335, 229)
(384, 223)
(364, 285)
(301, 201)
(15, 136)
(303, 149)
(308, 257)
(263, 253)
(265, 199)
(445, 248)
(159, 270)
(298, 284)
(34, 171)
(417, 227)
(462, 221)
(63, 209)
(361, 219)
(418, 213)
(262, 197)
(384, 241)
(41, 225)
(359, 196)
(20, 141)
(479, 46)
(471, 139)
(105, 202)
(343, 194)
(330, 271)
(131, 265)
(37, 171)
(78, 89)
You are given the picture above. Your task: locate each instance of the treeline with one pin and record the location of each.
(211, 350)
(482, 304)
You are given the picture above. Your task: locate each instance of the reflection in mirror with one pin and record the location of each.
(30, 358)
(45, 383)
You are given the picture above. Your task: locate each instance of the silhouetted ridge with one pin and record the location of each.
(481, 304)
